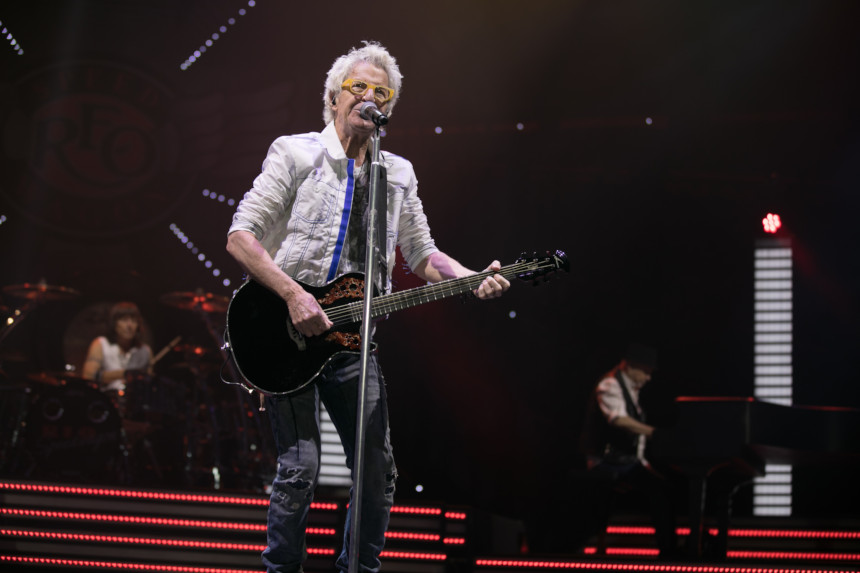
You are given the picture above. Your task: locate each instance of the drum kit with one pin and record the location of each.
(176, 424)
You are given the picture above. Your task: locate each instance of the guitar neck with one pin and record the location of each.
(385, 304)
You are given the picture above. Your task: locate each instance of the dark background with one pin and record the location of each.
(752, 109)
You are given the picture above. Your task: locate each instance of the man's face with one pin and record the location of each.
(640, 375)
(347, 104)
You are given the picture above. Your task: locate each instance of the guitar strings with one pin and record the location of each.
(351, 312)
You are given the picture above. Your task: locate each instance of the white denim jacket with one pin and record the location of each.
(299, 206)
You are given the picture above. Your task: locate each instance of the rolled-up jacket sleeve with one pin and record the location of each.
(611, 399)
(414, 238)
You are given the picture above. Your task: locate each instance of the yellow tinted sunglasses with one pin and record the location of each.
(358, 87)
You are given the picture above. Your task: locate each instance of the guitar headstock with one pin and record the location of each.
(539, 266)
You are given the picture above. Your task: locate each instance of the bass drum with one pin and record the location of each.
(72, 433)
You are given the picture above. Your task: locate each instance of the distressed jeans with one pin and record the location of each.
(296, 425)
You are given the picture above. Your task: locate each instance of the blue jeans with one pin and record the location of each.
(296, 425)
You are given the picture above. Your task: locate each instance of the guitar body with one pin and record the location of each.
(274, 358)
(269, 353)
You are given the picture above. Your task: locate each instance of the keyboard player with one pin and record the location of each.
(613, 439)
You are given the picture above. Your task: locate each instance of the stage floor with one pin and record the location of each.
(59, 527)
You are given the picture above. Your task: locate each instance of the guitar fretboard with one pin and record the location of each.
(388, 303)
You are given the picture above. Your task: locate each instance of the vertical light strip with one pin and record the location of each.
(333, 470)
(772, 352)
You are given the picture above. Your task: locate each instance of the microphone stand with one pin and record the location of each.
(366, 333)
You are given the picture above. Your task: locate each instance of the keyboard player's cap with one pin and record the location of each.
(641, 356)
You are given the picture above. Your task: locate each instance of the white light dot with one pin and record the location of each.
(231, 202)
(648, 121)
(251, 3)
(221, 198)
(520, 126)
(231, 21)
(222, 29)
(206, 192)
(241, 11)
(215, 36)
(226, 282)
(512, 314)
(201, 257)
(208, 264)
(216, 272)
(209, 43)
(438, 130)
(419, 488)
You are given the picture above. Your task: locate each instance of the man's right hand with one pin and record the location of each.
(307, 315)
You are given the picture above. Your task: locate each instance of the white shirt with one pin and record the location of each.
(613, 405)
(300, 204)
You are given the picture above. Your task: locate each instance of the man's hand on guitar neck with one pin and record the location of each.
(494, 285)
(440, 266)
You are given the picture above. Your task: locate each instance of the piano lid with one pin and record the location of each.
(726, 426)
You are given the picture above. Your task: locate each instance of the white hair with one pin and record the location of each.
(372, 53)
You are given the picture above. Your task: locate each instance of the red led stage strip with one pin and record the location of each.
(794, 533)
(455, 515)
(793, 555)
(645, 530)
(80, 563)
(412, 536)
(126, 540)
(454, 541)
(416, 510)
(131, 519)
(413, 555)
(523, 564)
(127, 493)
(151, 495)
(777, 533)
(56, 535)
(625, 551)
(320, 551)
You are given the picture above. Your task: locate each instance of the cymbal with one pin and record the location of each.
(41, 291)
(205, 301)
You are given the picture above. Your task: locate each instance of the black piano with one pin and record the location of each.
(734, 437)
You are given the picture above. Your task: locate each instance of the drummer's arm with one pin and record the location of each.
(93, 366)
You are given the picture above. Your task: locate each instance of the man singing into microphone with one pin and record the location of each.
(304, 221)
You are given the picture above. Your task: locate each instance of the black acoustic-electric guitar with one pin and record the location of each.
(274, 358)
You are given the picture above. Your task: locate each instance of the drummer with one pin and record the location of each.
(111, 358)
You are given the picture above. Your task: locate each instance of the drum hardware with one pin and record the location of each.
(34, 294)
(226, 436)
(197, 300)
(71, 431)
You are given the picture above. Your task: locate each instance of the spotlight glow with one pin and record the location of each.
(771, 223)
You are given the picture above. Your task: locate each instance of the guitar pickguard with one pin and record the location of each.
(350, 340)
(349, 287)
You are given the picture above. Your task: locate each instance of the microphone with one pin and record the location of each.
(369, 111)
